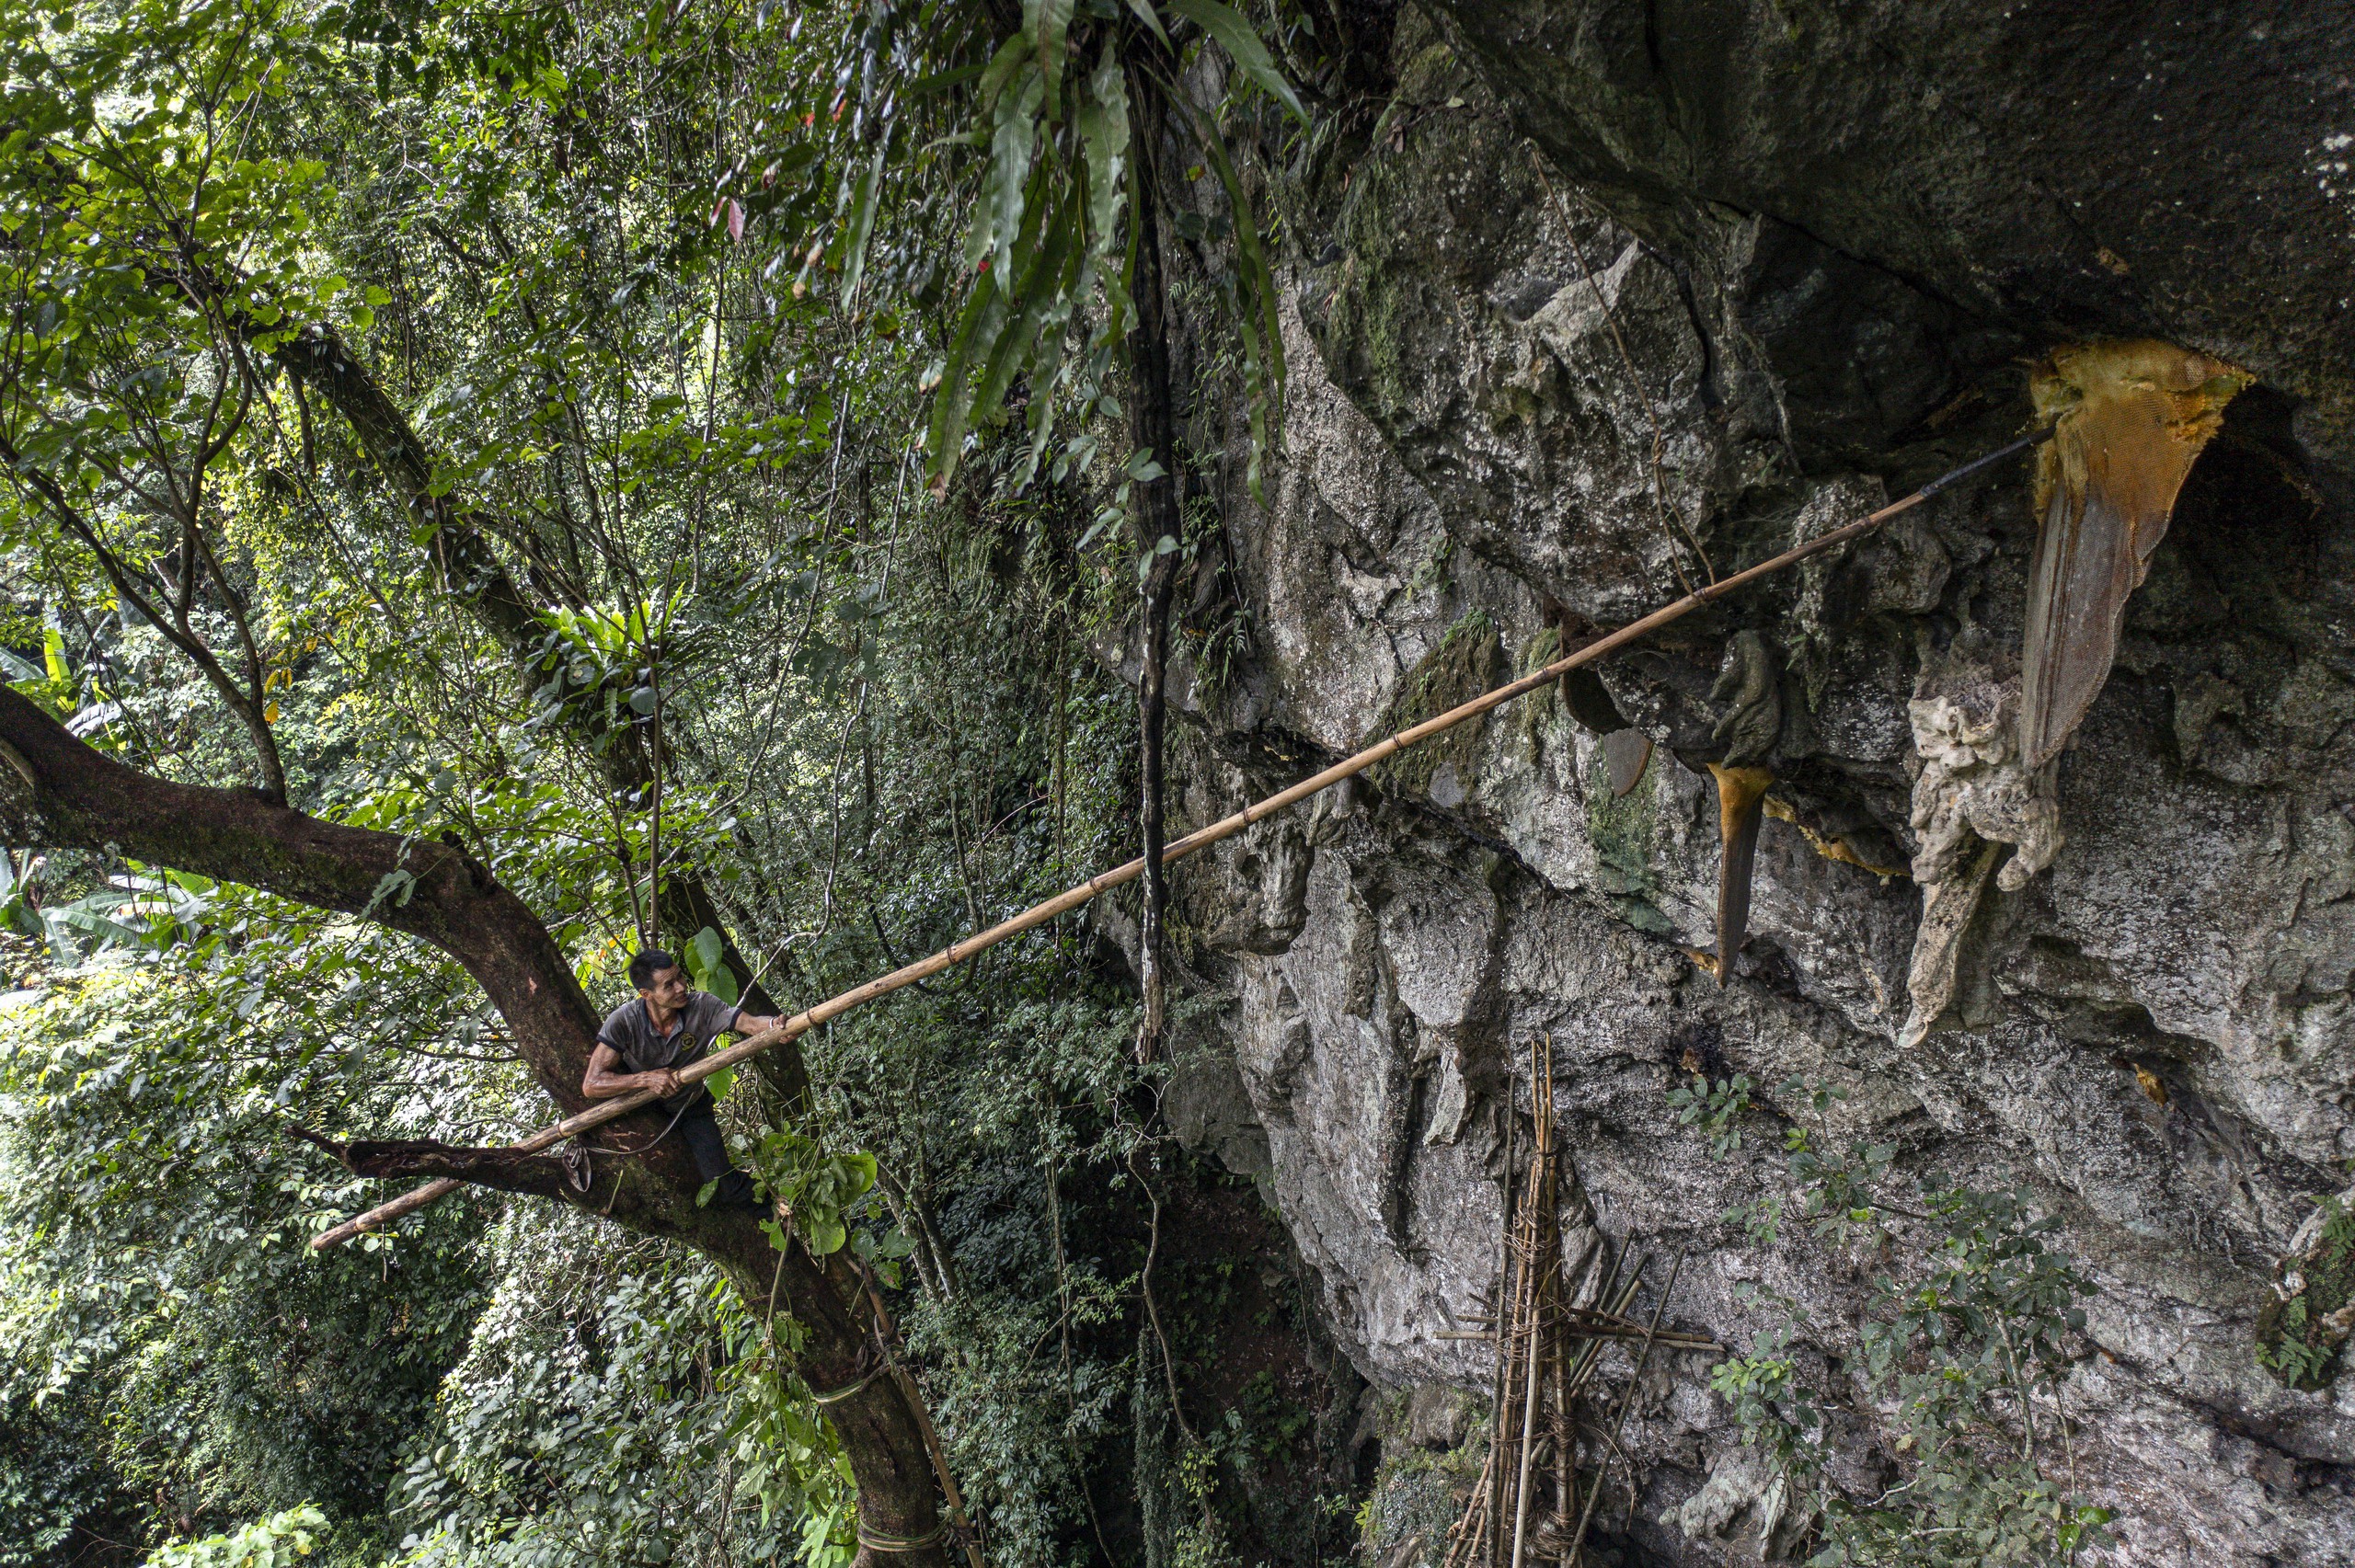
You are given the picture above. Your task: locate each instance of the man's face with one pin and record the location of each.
(668, 991)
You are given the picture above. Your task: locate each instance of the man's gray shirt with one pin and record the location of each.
(631, 1032)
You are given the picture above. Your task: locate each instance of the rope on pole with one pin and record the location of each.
(1202, 838)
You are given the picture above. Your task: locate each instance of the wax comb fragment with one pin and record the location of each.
(2131, 418)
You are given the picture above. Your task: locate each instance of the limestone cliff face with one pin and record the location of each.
(1592, 300)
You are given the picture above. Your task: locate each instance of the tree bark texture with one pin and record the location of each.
(56, 792)
(1153, 428)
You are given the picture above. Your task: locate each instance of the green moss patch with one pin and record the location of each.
(1469, 661)
(1419, 1493)
(1624, 834)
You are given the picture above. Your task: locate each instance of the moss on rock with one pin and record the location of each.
(1469, 661)
(1419, 1492)
(1625, 833)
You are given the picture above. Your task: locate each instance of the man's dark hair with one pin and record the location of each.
(649, 962)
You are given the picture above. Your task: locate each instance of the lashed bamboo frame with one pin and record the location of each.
(1202, 838)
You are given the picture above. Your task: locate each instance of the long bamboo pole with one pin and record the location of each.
(1200, 839)
(1503, 1309)
(1544, 1257)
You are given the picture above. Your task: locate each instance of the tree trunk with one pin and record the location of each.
(470, 570)
(56, 792)
(1153, 428)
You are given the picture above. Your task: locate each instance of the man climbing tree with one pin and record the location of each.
(210, 469)
(365, 597)
(644, 1042)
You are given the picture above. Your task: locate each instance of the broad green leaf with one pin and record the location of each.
(952, 401)
(1012, 145)
(1152, 19)
(861, 225)
(721, 980)
(976, 358)
(706, 951)
(1008, 59)
(1042, 286)
(792, 161)
(941, 81)
(1102, 118)
(1047, 24)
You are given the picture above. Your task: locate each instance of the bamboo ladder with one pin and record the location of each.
(1547, 1350)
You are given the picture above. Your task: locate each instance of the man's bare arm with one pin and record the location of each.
(604, 1078)
(750, 1023)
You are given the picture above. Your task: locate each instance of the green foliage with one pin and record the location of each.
(620, 1405)
(1417, 1495)
(1834, 1189)
(1032, 135)
(1773, 1406)
(2302, 1335)
(652, 290)
(819, 1188)
(707, 963)
(1716, 1110)
(169, 1338)
(1028, 1295)
(277, 1541)
(1965, 1340)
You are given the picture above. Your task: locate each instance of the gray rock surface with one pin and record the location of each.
(1601, 299)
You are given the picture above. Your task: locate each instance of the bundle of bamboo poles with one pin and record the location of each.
(1547, 1346)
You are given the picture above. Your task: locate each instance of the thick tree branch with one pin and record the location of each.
(538, 1175)
(57, 792)
(612, 1191)
(467, 567)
